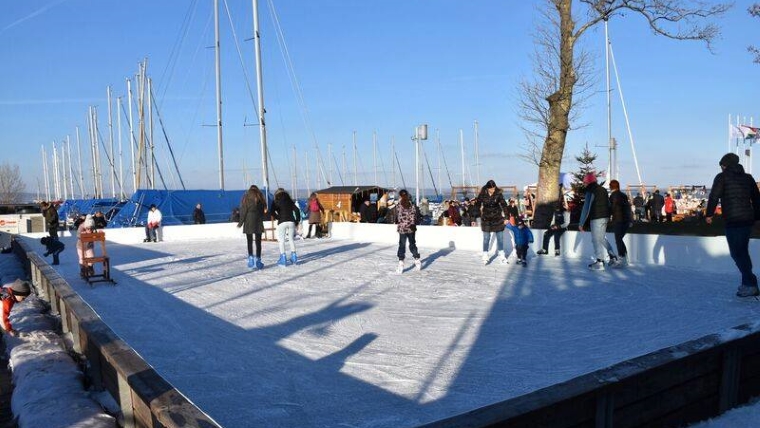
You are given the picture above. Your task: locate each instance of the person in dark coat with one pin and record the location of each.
(621, 221)
(596, 211)
(655, 207)
(315, 210)
(740, 203)
(50, 212)
(235, 216)
(368, 212)
(199, 217)
(560, 221)
(54, 247)
(253, 206)
(638, 204)
(288, 216)
(493, 211)
(100, 220)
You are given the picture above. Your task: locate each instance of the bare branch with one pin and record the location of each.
(11, 184)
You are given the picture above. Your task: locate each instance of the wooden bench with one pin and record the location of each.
(88, 272)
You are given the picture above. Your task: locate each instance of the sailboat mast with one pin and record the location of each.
(393, 150)
(217, 57)
(121, 165)
(45, 171)
(461, 146)
(110, 140)
(152, 170)
(374, 154)
(477, 155)
(71, 167)
(611, 170)
(82, 189)
(356, 179)
(131, 136)
(260, 89)
(308, 183)
(56, 183)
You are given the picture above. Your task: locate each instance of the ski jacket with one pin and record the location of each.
(561, 219)
(523, 235)
(596, 205)
(199, 217)
(285, 210)
(6, 295)
(368, 212)
(154, 218)
(738, 195)
(51, 217)
(656, 203)
(493, 209)
(638, 202)
(620, 207)
(406, 218)
(670, 205)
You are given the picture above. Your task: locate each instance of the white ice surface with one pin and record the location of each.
(339, 340)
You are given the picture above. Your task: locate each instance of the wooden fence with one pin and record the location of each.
(145, 398)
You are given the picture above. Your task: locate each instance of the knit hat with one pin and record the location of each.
(21, 288)
(729, 159)
(589, 178)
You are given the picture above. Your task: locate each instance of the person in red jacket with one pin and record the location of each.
(670, 207)
(18, 291)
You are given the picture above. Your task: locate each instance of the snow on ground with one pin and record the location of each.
(339, 340)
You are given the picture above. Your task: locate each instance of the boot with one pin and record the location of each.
(251, 262)
(556, 252)
(747, 291)
(293, 258)
(485, 258)
(400, 266)
(282, 261)
(83, 271)
(56, 261)
(597, 265)
(259, 264)
(502, 258)
(417, 264)
(542, 252)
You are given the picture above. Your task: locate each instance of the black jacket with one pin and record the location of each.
(596, 205)
(738, 195)
(285, 210)
(620, 207)
(198, 216)
(252, 217)
(368, 213)
(492, 209)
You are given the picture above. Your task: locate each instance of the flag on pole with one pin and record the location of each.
(748, 132)
(735, 132)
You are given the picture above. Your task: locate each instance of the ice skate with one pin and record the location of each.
(257, 262)
(556, 253)
(597, 265)
(485, 258)
(400, 267)
(747, 291)
(282, 261)
(542, 252)
(621, 262)
(293, 258)
(502, 258)
(251, 262)
(417, 265)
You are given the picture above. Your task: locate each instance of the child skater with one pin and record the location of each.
(406, 219)
(85, 250)
(523, 238)
(11, 294)
(52, 246)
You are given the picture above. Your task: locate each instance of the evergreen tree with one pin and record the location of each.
(586, 160)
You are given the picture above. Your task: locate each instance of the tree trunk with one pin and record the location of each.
(560, 103)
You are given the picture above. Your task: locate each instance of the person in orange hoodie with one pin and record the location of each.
(11, 294)
(670, 208)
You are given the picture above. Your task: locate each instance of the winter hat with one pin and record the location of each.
(589, 178)
(729, 159)
(152, 206)
(88, 221)
(21, 288)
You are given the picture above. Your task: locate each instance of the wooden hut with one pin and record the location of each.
(341, 203)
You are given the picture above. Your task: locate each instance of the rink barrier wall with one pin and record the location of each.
(145, 398)
(672, 387)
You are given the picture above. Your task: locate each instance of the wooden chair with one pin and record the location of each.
(89, 274)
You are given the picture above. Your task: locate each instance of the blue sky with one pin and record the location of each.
(362, 66)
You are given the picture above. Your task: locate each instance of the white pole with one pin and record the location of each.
(47, 175)
(461, 146)
(217, 56)
(63, 171)
(110, 140)
(82, 189)
(356, 179)
(131, 136)
(477, 155)
(56, 183)
(611, 167)
(627, 122)
(260, 88)
(121, 165)
(71, 167)
(417, 165)
(150, 133)
(345, 164)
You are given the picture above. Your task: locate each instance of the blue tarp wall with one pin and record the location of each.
(71, 208)
(177, 206)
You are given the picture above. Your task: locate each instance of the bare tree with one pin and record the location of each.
(754, 10)
(11, 184)
(675, 19)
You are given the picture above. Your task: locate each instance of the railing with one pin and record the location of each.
(145, 398)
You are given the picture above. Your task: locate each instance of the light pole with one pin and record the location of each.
(420, 133)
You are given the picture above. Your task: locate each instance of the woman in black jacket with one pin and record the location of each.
(252, 209)
(493, 210)
(288, 216)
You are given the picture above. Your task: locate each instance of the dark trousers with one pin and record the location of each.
(668, 217)
(150, 233)
(620, 230)
(249, 242)
(318, 231)
(402, 238)
(522, 251)
(53, 231)
(556, 233)
(738, 246)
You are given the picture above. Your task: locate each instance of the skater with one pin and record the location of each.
(740, 202)
(315, 210)
(152, 224)
(51, 218)
(288, 215)
(407, 216)
(368, 212)
(85, 250)
(199, 217)
(656, 203)
(54, 247)
(493, 209)
(621, 221)
(252, 210)
(523, 238)
(100, 220)
(11, 294)
(638, 204)
(559, 224)
(596, 211)
(670, 208)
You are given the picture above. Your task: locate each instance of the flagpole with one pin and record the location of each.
(729, 132)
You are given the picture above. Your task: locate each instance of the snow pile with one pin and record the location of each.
(48, 385)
